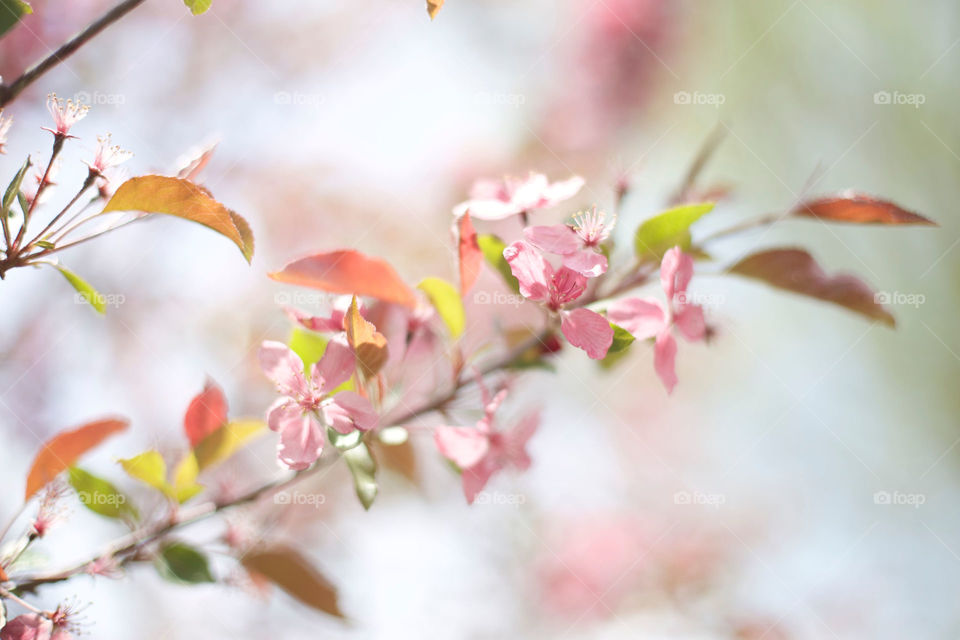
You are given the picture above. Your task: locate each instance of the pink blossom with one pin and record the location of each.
(578, 243)
(481, 451)
(332, 323)
(107, 156)
(499, 199)
(308, 405)
(65, 114)
(648, 317)
(539, 282)
(29, 626)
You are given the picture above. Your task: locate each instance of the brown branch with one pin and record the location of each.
(9, 92)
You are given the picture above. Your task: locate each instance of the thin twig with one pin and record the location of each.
(9, 92)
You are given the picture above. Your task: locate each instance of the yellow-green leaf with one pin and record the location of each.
(198, 6)
(184, 199)
(10, 13)
(364, 471)
(149, 468)
(671, 228)
(492, 248)
(99, 495)
(85, 292)
(446, 300)
(185, 479)
(224, 442)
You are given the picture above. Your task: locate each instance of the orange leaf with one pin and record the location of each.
(61, 451)
(433, 7)
(348, 272)
(367, 343)
(471, 257)
(795, 270)
(289, 570)
(184, 199)
(207, 413)
(860, 209)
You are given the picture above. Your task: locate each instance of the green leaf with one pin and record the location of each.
(669, 229)
(181, 563)
(308, 345)
(10, 13)
(13, 189)
(446, 300)
(198, 6)
(84, 290)
(492, 248)
(100, 496)
(344, 441)
(364, 471)
(622, 339)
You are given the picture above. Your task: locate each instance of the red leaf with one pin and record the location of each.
(471, 257)
(860, 209)
(796, 270)
(348, 272)
(61, 451)
(207, 413)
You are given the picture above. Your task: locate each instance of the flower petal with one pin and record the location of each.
(315, 323)
(284, 368)
(587, 263)
(464, 446)
(690, 322)
(587, 330)
(486, 209)
(347, 411)
(529, 193)
(530, 269)
(676, 269)
(301, 441)
(335, 366)
(283, 411)
(562, 190)
(556, 238)
(664, 357)
(29, 626)
(643, 317)
(515, 440)
(476, 477)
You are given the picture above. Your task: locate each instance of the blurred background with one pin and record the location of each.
(801, 482)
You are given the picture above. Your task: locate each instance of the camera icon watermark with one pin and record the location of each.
(698, 98)
(497, 498)
(298, 99)
(99, 299)
(715, 500)
(899, 498)
(706, 300)
(498, 297)
(298, 498)
(96, 499)
(515, 100)
(301, 298)
(100, 98)
(899, 298)
(899, 98)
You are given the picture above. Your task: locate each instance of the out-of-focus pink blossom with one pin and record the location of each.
(107, 156)
(5, 123)
(29, 626)
(648, 317)
(308, 405)
(578, 243)
(540, 282)
(499, 199)
(481, 451)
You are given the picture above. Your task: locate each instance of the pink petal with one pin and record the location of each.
(29, 626)
(690, 322)
(284, 368)
(492, 404)
(515, 441)
(529, 194)
(465, 446)
(562, 190)
(315, 323)
(643, 317)
(489, 189)
(587, 330)
(283, 411)
(558, 238)
(335, 366)
(588, 263)
(676, 269)
(301, 441)
(568, 285)
(347, 411)
(530, 269)
(664, 357)
(476, 477)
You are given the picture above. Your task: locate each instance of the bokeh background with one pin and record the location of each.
(746, 505)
